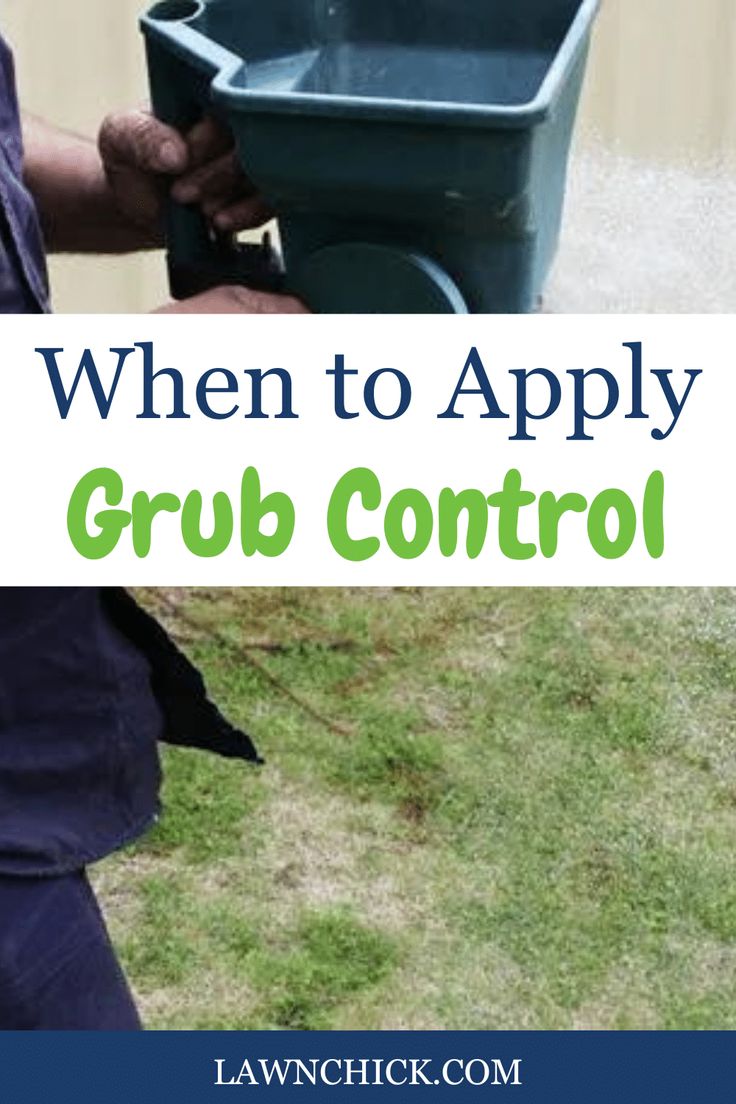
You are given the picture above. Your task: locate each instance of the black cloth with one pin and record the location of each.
(191, 719)
(58, 970)
(89, 683)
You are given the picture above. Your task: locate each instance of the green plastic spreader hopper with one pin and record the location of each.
(415, 151)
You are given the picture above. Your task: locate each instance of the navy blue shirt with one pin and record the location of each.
(89, 682)
(23, 278)
(79, 724)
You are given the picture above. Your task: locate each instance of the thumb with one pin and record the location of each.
(137, 140)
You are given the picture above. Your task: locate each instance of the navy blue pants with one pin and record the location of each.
(58, 970)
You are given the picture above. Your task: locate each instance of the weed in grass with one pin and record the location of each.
(333, 957)
(391, 758)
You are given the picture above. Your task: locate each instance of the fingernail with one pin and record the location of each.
(170, 156)
(185, 193)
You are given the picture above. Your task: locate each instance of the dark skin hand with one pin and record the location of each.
(110, 198)
(235, 300)
(142, 156)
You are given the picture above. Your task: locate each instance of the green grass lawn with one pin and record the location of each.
(481, 809)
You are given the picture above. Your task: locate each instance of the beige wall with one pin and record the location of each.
(662, 80)
(662, 85)
(77, 60)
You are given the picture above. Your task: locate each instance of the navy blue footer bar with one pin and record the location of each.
(199, 1067)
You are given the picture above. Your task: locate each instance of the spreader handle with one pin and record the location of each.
(200, 258)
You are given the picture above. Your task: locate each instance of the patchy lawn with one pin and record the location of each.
(481, 809)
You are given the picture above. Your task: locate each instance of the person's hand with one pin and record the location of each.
(143, 158)
(235, 300)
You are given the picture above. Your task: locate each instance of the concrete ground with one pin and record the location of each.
(643, 237)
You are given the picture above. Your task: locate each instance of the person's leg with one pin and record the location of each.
(58, 970)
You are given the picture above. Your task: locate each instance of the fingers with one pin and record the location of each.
(135, 139)
(224, 193)
(206, 141)
(217, 181)
(246, 214)
(278, 305)
(204, 161)
(235, 300)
